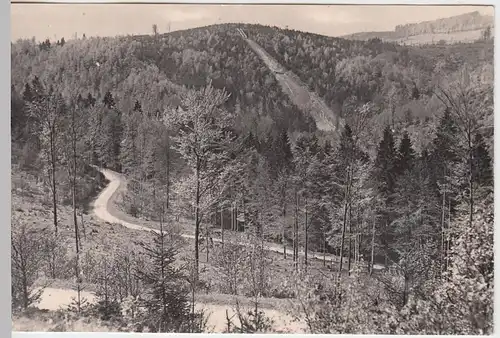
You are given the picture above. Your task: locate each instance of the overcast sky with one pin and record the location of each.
(63, 20)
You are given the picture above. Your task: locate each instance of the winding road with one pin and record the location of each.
(116, 183)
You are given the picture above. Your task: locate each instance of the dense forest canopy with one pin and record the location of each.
(203, 131)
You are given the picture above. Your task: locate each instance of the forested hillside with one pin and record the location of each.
(399, 81)
(204, 136)
(466, 27)
(465, 22)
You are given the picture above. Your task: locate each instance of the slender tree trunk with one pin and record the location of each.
(53, 178)
(284, 220)
(294, 225)
(373, 247)
(355, 246)
(295, 232)
(443, 231)
(237, 223)
(79, 297)
(406, 289)
(105, 282)
(77, 239)
(386, 247)
(192, 306)
(359, 236)
(448, 238)
(233, 218)
(197, 221)
(324, 249)
(471, 183)
(24, 281)
(83, 225)
(222, 226)
(73, 190)
(168, 180)
(154, 192)
(163, 286)
(207, 238)
(306, 228)
(349, 259)
(344, 223)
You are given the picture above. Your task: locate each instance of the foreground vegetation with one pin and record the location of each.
(405, 186)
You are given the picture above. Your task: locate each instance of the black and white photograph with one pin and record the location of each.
(252, 168)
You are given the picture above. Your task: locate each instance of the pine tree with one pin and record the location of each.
(137, 107)
(108, 100)
(405, 155)
(90, 101)
(307, 165)
(285, 149)
(18, 118)
(482, 168)
(444, 178)
(444, 147)
(279, 153)
(128, 155)
(110, 134)
(414, 230)
(28, 94)
(80, 101)
(384, 175)
(38, 89)
(327, 148)
(166, 300)
(284, 164)
(385, 164)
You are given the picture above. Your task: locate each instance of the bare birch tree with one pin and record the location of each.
(202, 128)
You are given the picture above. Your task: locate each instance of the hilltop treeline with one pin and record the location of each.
(463, 22)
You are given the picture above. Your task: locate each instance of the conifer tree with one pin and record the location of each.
(405, 155)
(90, 101)
(137, 107)
(482, 169)
(384, 175)
(109, 101)
(18, 118)
(28, 94)
(110, 134)
(128, 156)
(444, 160)
(166, 299)
(283, 148)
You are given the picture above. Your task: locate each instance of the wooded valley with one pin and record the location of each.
(383, 225)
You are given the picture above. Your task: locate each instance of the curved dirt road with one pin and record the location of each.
(54, 299)
(116, 180)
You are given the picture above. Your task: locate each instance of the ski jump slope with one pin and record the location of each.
(298, 92)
